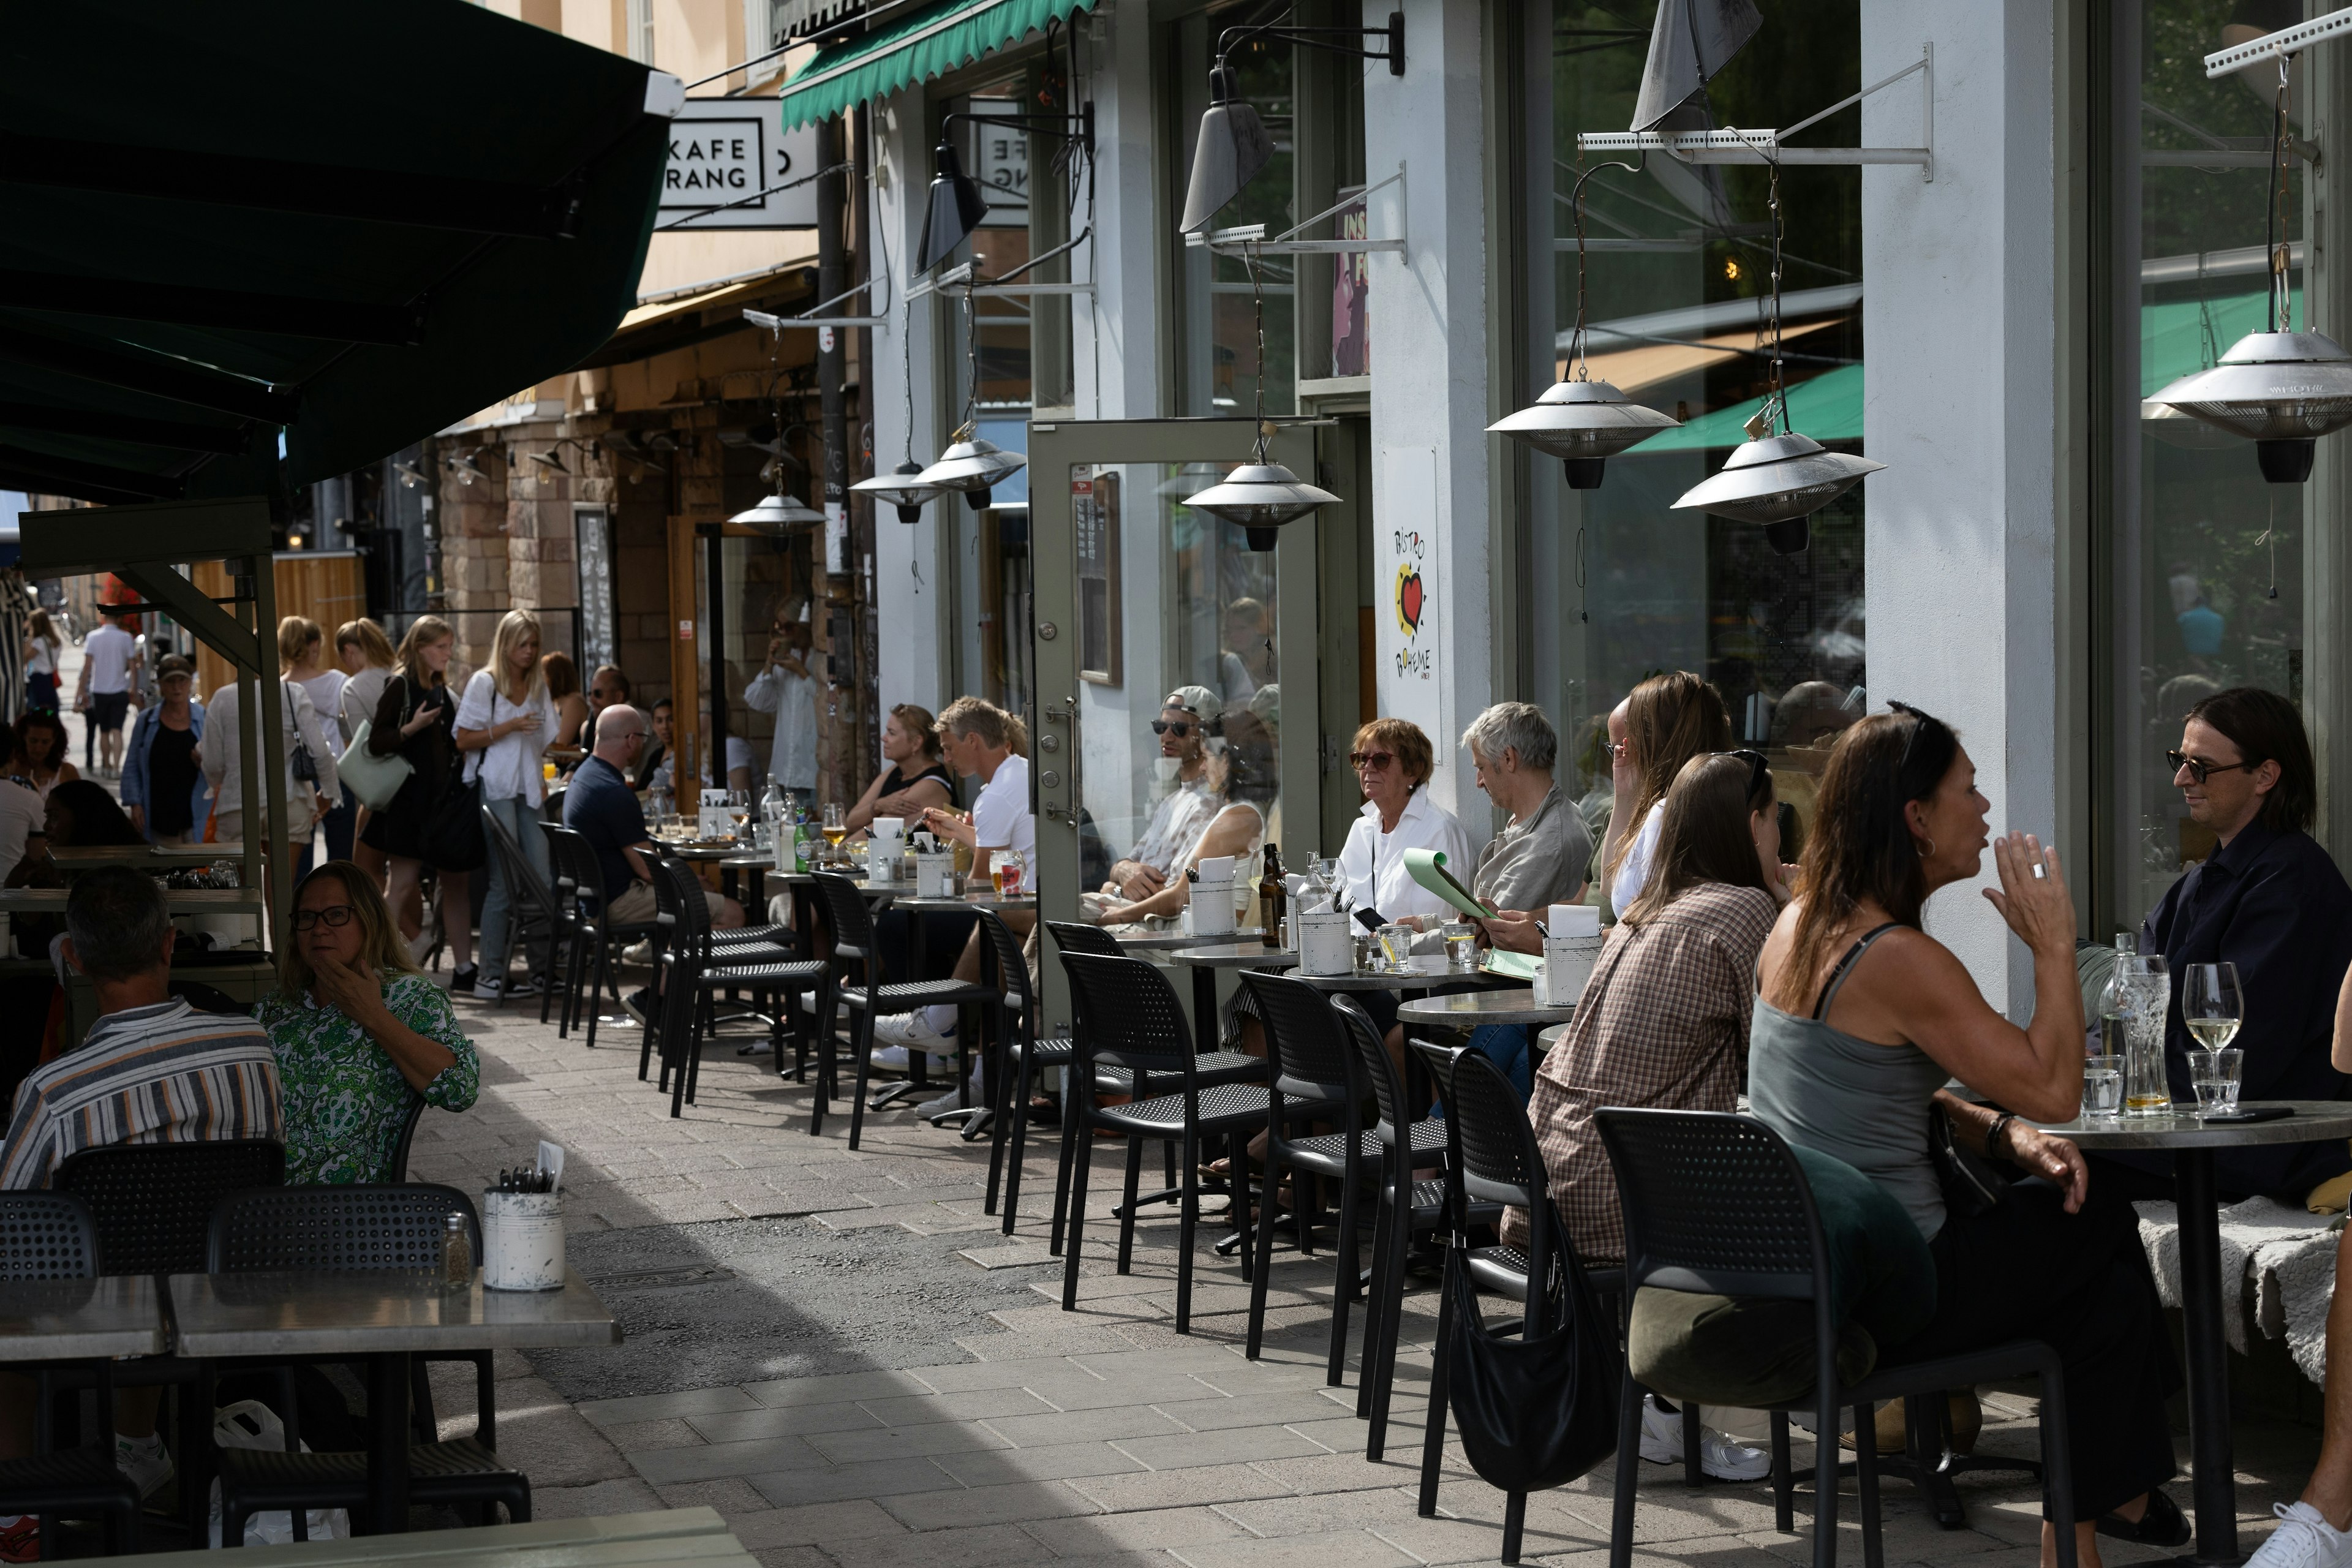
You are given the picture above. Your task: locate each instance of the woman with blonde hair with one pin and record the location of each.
(1662, 723)
(304, 662)
(415, 718)
(505, 723)
(917, 778)
(364, 656)
(359, 1033)
(307, 798)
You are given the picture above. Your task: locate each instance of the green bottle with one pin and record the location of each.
(801, 836)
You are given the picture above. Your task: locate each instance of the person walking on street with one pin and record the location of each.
(103, 693)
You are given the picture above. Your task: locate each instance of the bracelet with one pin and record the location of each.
(1999, 1129)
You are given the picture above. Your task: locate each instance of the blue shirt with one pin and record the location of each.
(2201, 630)
(2273, 904)
(602, 809)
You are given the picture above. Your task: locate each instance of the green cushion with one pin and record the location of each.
(1752, 1353)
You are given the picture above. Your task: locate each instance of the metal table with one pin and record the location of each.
(1504, 1001)
(80, 1320)
(2191, 1143)
(1170, 941)
(1204, 961)
(385, 1316)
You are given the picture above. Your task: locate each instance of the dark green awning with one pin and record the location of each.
(922, 45)
(356, 223)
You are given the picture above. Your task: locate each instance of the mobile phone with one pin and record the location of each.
(2252, 1114)
(1369, 918)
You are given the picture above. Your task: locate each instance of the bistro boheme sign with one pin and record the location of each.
(726, 158)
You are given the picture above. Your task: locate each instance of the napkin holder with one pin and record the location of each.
(1327, 942)
(935, 874)
(522, 1241)
(1569, 951)
(715, 820)
(885, 848)
(1213, 907)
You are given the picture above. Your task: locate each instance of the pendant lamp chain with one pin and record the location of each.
(1777, 399)
(1576, 210)
(1257, 310)
(971, 424)
(2282, 314)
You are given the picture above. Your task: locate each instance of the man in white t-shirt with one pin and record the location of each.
(785, 687)
(103, 694)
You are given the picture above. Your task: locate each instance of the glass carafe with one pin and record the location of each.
(2148, 1089)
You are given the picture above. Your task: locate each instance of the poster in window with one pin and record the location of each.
(1094, 520)
(1351, 279)
(599, 603)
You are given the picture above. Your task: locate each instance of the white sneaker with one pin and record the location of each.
(895, 1059)
(2304, 1540)
(148, 1466)
(1718, 1456)
(910, 1029)
(641, 952)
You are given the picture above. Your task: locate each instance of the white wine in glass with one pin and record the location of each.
(2212, 1004)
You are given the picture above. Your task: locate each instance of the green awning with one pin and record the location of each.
(2174, 337)
(1828, 408)
(287, 229)
(920, 45)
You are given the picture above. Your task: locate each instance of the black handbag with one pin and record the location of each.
(451, 835)
(1533, 1412)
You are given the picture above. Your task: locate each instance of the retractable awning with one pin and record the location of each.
(274, 225)
(916, 48)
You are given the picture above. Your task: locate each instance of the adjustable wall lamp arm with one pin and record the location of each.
(1055, 125)
(1313, 38)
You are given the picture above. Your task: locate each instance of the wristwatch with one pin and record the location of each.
(1996, 1131)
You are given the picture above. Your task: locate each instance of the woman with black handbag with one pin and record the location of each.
(435, 820)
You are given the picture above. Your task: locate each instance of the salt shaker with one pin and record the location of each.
(457, 1256)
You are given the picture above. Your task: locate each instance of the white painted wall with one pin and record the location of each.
(1115, 344)
(1961, 405)
(907, 572)
(1429, 383)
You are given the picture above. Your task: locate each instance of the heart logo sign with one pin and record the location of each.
(1408, 600)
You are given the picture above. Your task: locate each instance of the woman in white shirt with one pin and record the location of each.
(506, 721)
(1393, 760)
(302, 650)
(363, 654)
(1245, 778)
(1666, 720)
(42, 645)
(223, 756)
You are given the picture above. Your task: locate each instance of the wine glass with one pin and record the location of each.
(2212, 1004)
(835, 828)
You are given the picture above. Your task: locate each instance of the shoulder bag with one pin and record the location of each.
(299, 759)
(451, 835)
(374, 780)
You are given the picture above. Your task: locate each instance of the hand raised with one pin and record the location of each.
(2033, 897)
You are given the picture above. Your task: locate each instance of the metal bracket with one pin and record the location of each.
(1250, 238)
(2285, 41)
(1731, 145)
(766, 322)
(964, 277)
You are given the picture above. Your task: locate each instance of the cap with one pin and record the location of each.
(1196, 700)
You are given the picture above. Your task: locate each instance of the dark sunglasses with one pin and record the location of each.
(334, 915)
(1376, 761)
(2201, 771)
(1759, 772)
(1921, 718)
(1162, 726)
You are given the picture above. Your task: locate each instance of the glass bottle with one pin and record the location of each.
(457, 1256)
(1276, 894)
(801, 836)
(2113, 1025)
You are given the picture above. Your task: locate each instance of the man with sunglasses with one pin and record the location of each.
(1183, 729)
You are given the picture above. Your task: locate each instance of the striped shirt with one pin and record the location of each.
(160, 1074)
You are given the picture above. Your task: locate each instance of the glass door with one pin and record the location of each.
(1139, 599)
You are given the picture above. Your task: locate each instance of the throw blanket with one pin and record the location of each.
(2291, 1256)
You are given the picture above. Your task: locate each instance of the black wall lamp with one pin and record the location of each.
(957, 204)
(1234, 144)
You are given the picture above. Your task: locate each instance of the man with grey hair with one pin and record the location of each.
(1541, 855)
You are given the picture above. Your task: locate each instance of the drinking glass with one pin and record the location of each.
(1460, 945)
(2146, 1091)
(835, 828)
(2215, 1075)
(2103, 1087)
(1007, 869)
(1395, 948)
(2211, 1004)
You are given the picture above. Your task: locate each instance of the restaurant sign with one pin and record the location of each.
(727, 156)
(1406, 516)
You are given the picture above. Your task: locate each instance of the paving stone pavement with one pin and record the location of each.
(844, 1355)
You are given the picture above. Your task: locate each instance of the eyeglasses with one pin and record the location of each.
(335, 915)
(2201, 771)
(1616, 751)
(1758, 770)
(1162, 726)
(1920, 720)
(1371, 762)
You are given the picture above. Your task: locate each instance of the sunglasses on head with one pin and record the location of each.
(1920, 718)
(1377, 762)
(2201, 771)
(1758, 770)
(1162, 726)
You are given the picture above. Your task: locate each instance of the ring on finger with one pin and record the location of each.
(2040, 873)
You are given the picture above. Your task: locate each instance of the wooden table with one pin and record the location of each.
(686, 1537)
(384, 1316)
(2191, 1143)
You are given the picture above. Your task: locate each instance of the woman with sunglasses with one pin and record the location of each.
(1860, 1020)
(1182, 734)
(359, 1033)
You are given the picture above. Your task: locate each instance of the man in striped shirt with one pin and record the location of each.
(151, 1070)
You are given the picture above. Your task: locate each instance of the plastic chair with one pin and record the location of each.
(1128, 1017)
(530, 895)
(595, 930)
(565, 936)
(52, 1236)
(1717, 1204)
(342, 1230)
(873, 996)
(153, 1202)
(1019, 1055)
(696, 969)
(396, 1168)
(1306, 1054)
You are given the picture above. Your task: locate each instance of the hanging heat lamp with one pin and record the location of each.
(902, 487)
(2279, 388)
(778, 514)
(1261, 495)
(1778, 480)
(1581, 421)
(971, 466)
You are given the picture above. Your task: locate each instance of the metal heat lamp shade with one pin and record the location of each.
(955, 210)
(1583, 423)
(1261, 498)
(972, 467)
(2280, 390)
(1778, 481)
(779, 515)
(902, 487)
(1232, 148)
(2177, 427)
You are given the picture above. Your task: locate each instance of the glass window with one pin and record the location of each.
(2207, 558)
(1677, 274)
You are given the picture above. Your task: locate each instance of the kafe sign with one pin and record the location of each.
(727, 156)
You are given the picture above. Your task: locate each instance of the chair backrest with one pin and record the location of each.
(1012, 964)
(1714, 1202)
(577, 858)
(852, 922)
(47, 1235)
(336, 1230)
(153, 1201)
(1305, 1044)
(1372, 1061)
(1501, 1162)
(1128, 1015)
(692, 905)
(563, 883)
(1069, 936)
(396, 1168)
(516, 866)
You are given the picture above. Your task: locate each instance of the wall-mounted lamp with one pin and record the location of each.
(1234, 144)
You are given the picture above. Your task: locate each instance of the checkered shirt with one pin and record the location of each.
(1662, 1022)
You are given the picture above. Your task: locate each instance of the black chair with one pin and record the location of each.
(1492, 1157)
(153, 1202)
(873, 994)
(696, 969)
(396, 1168)
(1020, 1055)
(342, 1230)
(52, 1236)
(1128, 1017)
(596, 929)
(565, 937)
(1306, 1054)
(531, 904)
(1717, 1204)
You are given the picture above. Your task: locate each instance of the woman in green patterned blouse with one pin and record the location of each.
(360, 1033)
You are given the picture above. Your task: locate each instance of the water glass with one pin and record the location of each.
(2103, 1087)
(1395, 948)
(2148, 1090)
(1461, 945)
(2216, 1076)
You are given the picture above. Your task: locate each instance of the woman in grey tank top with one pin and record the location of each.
(1861, 1019)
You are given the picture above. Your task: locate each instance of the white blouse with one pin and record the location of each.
(1372, 862)
(509, 765)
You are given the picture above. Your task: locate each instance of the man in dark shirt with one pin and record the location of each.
(600, 806)
(2269, 901)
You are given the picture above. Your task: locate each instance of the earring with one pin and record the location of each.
(1927, 851)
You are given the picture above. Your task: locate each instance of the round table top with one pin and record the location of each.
(1169, 940)
(1468, 1009)
(749, 860)
(701, 851)
(1233, 955)
(2313, 1122)
(968, 901)
(1428, 969)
